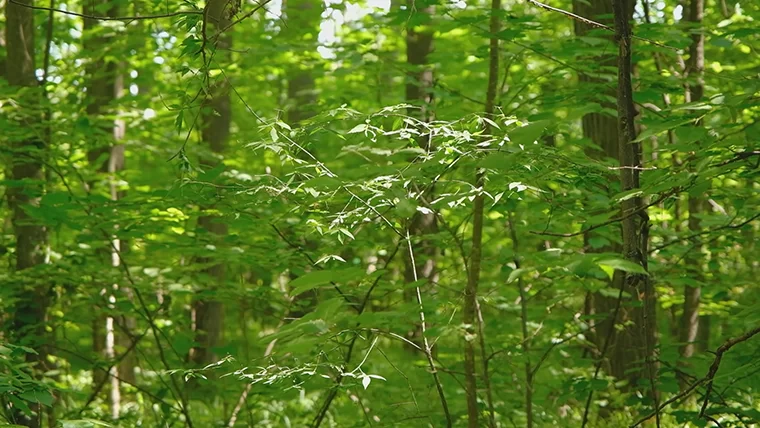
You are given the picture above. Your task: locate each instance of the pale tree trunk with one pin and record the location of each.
(419, 85)
(30, 311)
(626, 345)
(104, 86)
(216, 115)
(694, 71)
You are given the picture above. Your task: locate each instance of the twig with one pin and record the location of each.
(716, 364)
(725, 347)
(339, 379)
(637, 211)
(706, 232)
(594, 23)
(425, 343)
(108, 18)
(241, 19)
(523, 323)
(605, 346)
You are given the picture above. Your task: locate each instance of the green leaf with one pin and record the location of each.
(312, 280)
(83, 423)
(515, 274)
(406, 208)
(37, 396)
(528, 134)
(622, 264)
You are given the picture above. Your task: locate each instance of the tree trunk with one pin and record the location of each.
(473, 272)
(690, 320)
(419, 84)
(641, 338)
(216, 115)
(105, 85)
(30, 311)
(627, 344)
(302, 19)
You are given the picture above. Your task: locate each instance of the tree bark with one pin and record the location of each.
(473, 271)
(302, 19)
(26, 168)
(626, 344)
(641, 341)
(215, 118)
(694, 72)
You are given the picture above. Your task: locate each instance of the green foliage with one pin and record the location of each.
(308, 231)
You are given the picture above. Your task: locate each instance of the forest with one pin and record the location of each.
(371, 213)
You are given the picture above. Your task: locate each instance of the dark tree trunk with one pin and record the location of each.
(302, 19)
(690, 320)
(640, 340)
(626, 346)
(26, 168)
(216, 115)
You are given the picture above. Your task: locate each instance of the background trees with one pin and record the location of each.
(204, 233)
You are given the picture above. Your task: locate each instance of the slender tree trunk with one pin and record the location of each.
(215, 118)
(30, 311)
(419, 84)
(694, 73)
(523, 325)
(473, 277)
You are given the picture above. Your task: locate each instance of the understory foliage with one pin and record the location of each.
(268, 214)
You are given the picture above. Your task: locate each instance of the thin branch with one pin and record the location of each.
(594, 23)
(725, 347)
(247, 390)
(740, 157)
(605, 346)
(707, 232)
(484, 361)
(426, 345)
(637, 211)
(241, 19)
(146, 313)
(108, 18)
(339, 379)
(523, 323)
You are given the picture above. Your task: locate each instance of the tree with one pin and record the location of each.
(215, 117)
(104, 86)
(694, 72)
(625, 349)
(420, 262)
(377, 217)
(33, 292)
